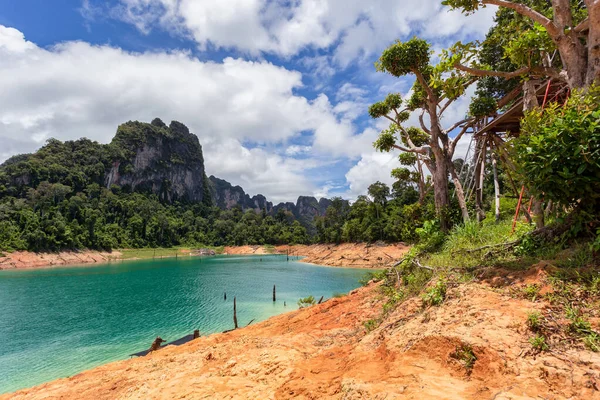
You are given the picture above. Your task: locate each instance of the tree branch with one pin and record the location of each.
(424, 83)
(459, 123)
(483, 72)
(419, 150)
(422, 122)
(391, 119)
(522, 9)
(456, 140)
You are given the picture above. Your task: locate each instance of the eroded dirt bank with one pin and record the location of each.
(355, 255)
(325, 352)
(27, 260)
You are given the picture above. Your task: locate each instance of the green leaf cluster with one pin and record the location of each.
(558, 152)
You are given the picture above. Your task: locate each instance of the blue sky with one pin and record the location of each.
(276, 90)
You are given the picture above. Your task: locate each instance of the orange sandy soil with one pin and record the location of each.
(26, 259)
(355, 255)
(324, 352)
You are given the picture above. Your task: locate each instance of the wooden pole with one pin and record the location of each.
(234, 314)
(481, 177)
(225, 296)
(517, 210)
(274, 298)
(320, 300)
(496, 187)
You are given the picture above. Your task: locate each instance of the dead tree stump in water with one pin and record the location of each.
(234, 314)
(156, 344)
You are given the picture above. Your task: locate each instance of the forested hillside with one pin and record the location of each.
(148, 188)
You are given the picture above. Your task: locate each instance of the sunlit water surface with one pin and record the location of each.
(58, 322)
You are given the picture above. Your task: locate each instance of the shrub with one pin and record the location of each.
(307, 302)
(465, 355)
(435, 295)
(557, 154)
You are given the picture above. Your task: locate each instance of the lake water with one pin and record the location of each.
(58, 322)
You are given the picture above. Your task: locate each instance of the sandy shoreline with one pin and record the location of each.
(31, 260)
(351, 255)
(326, 352)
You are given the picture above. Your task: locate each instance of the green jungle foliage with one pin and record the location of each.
(56, 199)
(559, 152)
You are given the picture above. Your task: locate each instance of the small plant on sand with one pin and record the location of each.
(307, 302)
(337, 295)
(579, 325)
(371, 324)
(435, 295)
(531, 292)
(465, 355)
(592, 341)
(538, 342)
(534, 321)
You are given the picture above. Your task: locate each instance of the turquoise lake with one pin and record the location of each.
(58, 322)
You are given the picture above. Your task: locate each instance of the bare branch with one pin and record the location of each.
(391, 119)
(422, 122)
(583, 26)
(418, 150)
(457, 139)
(459, 123)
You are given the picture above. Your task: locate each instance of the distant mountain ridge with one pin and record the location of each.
(226, 196)
(152, 158)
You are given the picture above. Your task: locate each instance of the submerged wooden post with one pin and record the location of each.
(234, 314)
(274, 298)
(224, 295)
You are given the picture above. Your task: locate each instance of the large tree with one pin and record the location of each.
(435, 89)
(569, 28)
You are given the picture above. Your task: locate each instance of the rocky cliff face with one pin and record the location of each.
(306, 208)
(227, 196)
(154, 158)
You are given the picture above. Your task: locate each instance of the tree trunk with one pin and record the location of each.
(421, 180)
(593, 44)
(538, 213)
(530, 100)
(440, 189)
(529, 103)
(460, 193)
(496, 188)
